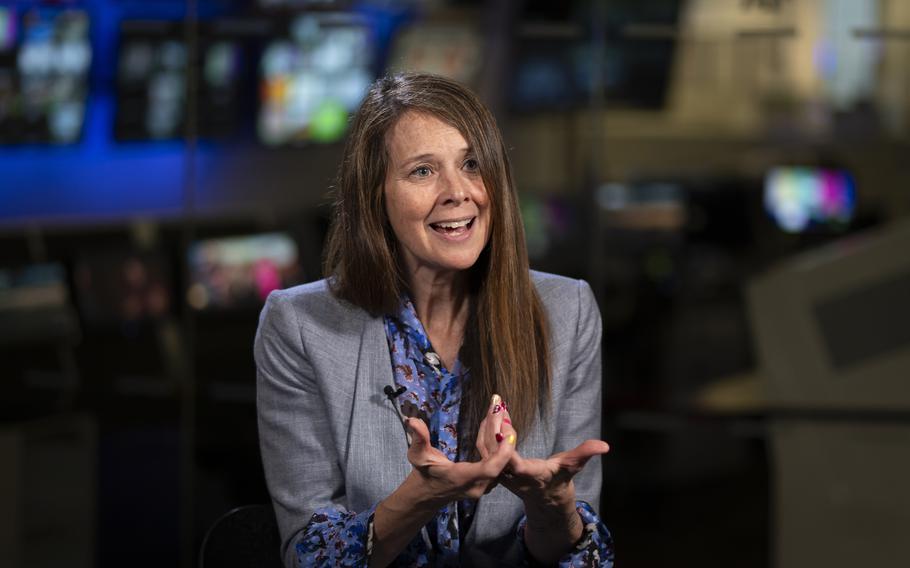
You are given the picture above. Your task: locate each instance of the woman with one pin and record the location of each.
(430, 319)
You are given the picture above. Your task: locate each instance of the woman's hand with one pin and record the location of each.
(434, 482)
(446, 481)
(546, 488)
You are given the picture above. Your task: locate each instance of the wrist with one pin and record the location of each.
(417, 495)
(551, 532)
(551, 507)
(552, 518)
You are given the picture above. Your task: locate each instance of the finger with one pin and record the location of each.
(496, 412)
(487, 432)
(480, 442)
(505, 450)
(509, 435)
(506, 416)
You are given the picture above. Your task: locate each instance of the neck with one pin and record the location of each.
(441, 300)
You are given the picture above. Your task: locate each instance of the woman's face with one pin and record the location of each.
(435, 197)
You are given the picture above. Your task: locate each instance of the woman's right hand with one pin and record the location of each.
(434, 482)
(446, 481)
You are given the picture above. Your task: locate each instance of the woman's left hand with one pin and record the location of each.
(546, 488)
(543, 483)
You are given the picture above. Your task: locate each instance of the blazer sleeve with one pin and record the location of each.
(301, 466)
(579, 416)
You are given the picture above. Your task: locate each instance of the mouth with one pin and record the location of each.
(454, 227)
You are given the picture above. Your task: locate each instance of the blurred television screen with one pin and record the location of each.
(451, 50)
(34, 303)
(151, 81)
(239, 272)
(152, 75)
(314, 78)
(223, 59)
(123, 287)
(804, 198)
(45, 57)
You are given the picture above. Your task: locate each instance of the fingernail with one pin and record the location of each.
(504, 405)
(498, 437)
(507, 421)
(497, 409)
(511, 439)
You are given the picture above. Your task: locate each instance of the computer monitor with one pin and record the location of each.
(239, 272)
(832, 326)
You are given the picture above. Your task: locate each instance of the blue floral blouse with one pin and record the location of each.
(337, 537)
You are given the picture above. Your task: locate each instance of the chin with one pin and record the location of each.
(459, 264)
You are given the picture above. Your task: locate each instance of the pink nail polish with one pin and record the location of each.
(497, 409)
(507, 421)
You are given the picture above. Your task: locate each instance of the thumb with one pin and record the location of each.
(420, 435)
(577, 457)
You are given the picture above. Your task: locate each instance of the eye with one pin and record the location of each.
(471, 164)
(421, 171)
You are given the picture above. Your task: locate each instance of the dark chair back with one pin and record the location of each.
(245, 537)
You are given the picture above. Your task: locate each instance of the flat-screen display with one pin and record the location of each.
(45, 57)
(312, 79)
(123, 287)
(152, 81)
(805, 198)
(238, 272)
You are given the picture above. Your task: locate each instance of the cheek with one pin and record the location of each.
(403, 212)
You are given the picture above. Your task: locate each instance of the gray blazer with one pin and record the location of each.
(330, 437)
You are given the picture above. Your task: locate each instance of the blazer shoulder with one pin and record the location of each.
(315, 302)
(556, 289)
(569, 302)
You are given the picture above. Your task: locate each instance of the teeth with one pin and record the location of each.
(453, 224)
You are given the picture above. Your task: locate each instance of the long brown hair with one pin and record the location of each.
(506, 344)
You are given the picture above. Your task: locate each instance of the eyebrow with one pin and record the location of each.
(421, 157)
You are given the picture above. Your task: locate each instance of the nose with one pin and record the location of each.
(454, 190)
